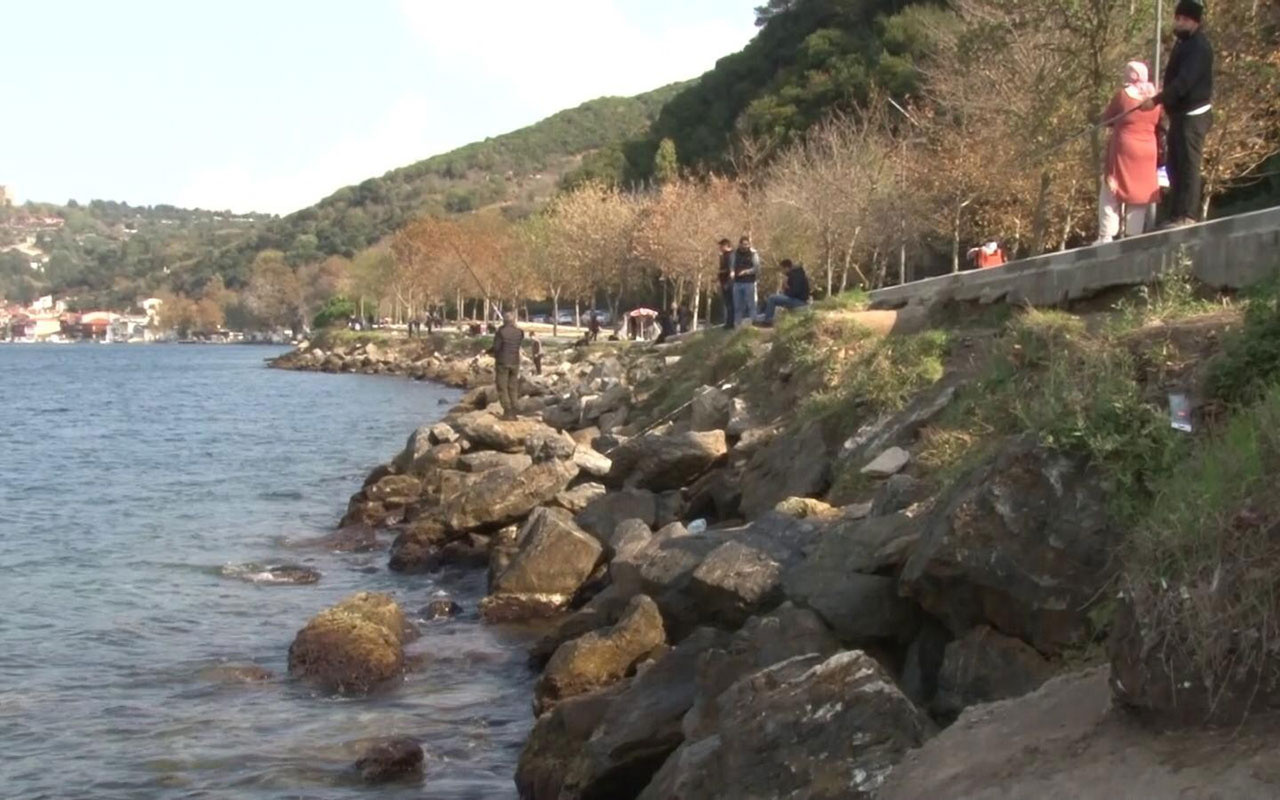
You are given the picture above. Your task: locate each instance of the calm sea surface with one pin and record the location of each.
(138, 484)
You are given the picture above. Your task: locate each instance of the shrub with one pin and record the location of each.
(335, 312)
(1250, 359)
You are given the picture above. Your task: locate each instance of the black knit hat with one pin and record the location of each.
(1189, 9)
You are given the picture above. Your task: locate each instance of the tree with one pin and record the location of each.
(666, 164)
(274, 293)
(592, 229)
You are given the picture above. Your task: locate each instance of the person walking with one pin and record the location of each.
(535, 350)
(593, 327)
(1130, 181)
(506, 357)
(794, 294)
(746, 268)
(1187, 98)
(725, 278)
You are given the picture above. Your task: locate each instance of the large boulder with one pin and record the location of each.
(839, 579)
(417, 547)
(592, 463)
(984, 666)
(661, 461)
(807, 727)
(556, 742)
(417, 446)
(395, 491)
(601, 611)
(501, 496)
(602, 515)
(555, 558)
(783, 634)
(1022, 543)
(352, 647)
(602, 657)
(611, 400)
(641, 725)
(485, 460)
(487, 432)
(578, 498)
(786, 466)
(734, 582)
(710, 409)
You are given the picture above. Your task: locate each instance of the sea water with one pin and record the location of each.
(142, 489)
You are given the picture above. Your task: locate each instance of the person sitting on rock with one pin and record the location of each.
(506, 357)
(794, 294)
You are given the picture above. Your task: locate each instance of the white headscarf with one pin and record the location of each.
(1136, 82)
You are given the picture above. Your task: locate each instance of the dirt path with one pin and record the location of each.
(1065, 742)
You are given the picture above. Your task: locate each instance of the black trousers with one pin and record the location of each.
(1186, 150)
(726, 297)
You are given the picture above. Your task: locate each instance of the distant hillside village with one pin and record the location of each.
(48, 321)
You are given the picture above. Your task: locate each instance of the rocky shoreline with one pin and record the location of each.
(720, 629)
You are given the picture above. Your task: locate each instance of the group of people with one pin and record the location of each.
(738, 275)
(1138, 114)
(431, 321)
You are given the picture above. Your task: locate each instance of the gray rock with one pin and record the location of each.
(546, 444)
(484, 460)
(1022, 543)
(601, 611)
(897, 493)
(501, 496)
(442, 433)
(787, 466)
(418, 444)
(577, 499)
(486, 431)
(740, 419)
(556, 741)
(734, 582)
(602, 515)
(984, 666)
(832, 729)
(555, 557)
(592, 463)
(660, 462)
(601, 657)
(890, 462)
(641, 725)
(710, 409)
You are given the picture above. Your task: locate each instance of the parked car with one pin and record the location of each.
(544, 319)
(603, 317)
(565, 318)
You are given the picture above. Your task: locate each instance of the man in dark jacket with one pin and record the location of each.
(725, 278)
(746, 268)
(795, 291)
(506, 356)
(1187, 98)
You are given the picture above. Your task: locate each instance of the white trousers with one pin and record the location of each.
(1109, 210)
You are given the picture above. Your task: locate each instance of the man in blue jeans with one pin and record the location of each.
(795, 291)
(746, 267)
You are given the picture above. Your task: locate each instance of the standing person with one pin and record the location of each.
(725, 278)
(506, 357)
(795, 291)
(1187, 98)
(593, 327)
(666, 324)
(746, 268)
(685, 319)
(535, 350)
(1130, 179)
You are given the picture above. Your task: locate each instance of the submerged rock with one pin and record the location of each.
(352, 647)
(294, 574)
(440, 608)
(390, 759)
(237, 674)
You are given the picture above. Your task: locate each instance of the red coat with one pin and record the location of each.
(1131, 154)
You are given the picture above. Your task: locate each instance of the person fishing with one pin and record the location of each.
(1130, 180)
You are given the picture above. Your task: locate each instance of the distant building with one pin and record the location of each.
(7, 196)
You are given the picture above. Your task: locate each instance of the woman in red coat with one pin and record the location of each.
(1130, 182)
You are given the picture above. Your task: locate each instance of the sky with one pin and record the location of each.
(270, 105)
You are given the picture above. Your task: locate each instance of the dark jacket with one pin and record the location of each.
(725, 276)
(746, 265)
(798, 284)
(506, 345)
(1188, 80)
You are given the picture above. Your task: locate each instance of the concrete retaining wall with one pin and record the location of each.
(1227, 253)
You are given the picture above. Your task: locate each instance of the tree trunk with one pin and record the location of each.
(697, 299)
(902, 263)
(1066, 226)
(1041, 224)
(955, 237)
(555, 313)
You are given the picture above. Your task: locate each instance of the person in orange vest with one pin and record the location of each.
(990, 254)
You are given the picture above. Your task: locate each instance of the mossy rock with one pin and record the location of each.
(353, 647)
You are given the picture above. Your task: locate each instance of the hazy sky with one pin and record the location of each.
(271, 104)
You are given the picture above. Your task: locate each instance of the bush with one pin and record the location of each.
(1250, 360)
(1204, 566)
(336, 312)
